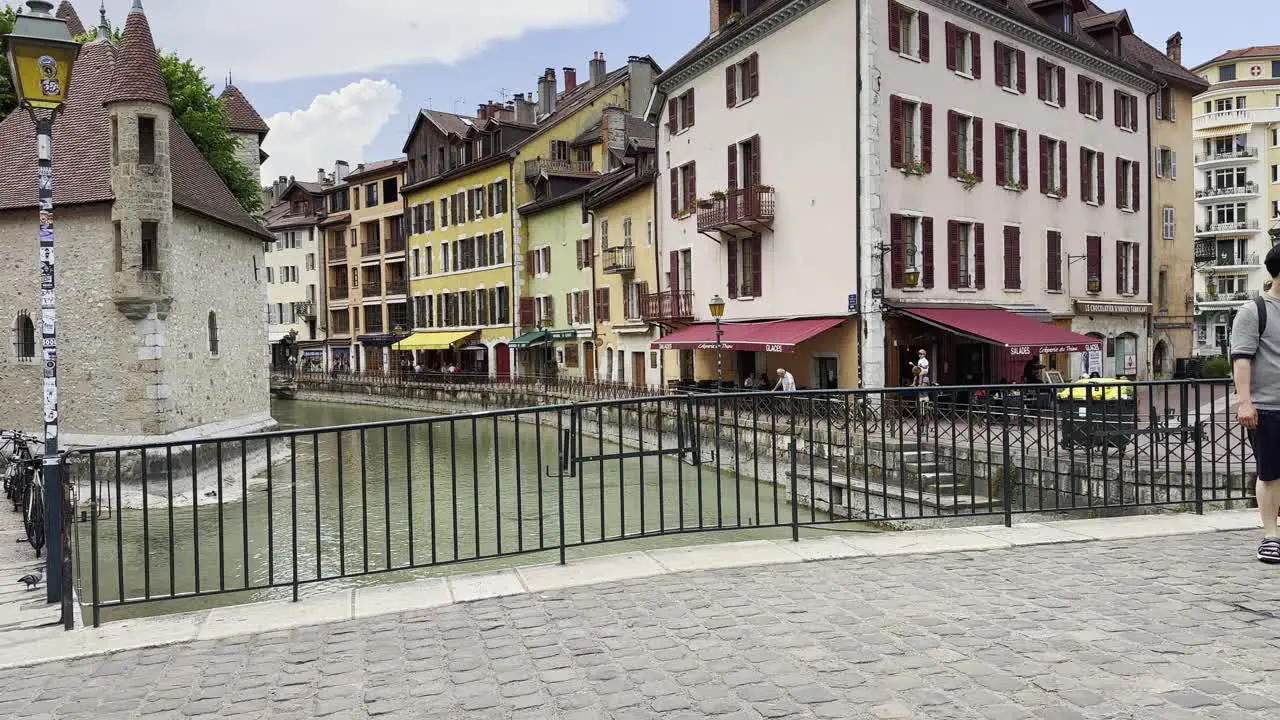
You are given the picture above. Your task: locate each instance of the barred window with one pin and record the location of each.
(24, 337)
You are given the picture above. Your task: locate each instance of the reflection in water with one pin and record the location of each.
(426, 496)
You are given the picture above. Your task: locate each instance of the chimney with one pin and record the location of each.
(321, 176)
(524, 109)
(716, 20)
(482, 113)
(570, 79)
(1173, 47)
(640, 78)
(547, 93)
(597, 68)
(340, 171)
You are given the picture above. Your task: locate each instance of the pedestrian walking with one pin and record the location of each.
(786, 381)
(1255, 358)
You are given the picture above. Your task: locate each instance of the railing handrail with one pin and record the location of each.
(755, 203)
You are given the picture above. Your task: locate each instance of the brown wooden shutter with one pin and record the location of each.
(1062, 86)
(1022, 71)
(732, 271)
(1137, 186)
(1082, 94)
(1097, 90)
(731, 86)
(895, 27)
(923, 20)
(755, 161)
(526, 311)
(753, 74)
(975, 42)
(570, 308)
(1137, 268)
(897, 252)
(691, 192)
(551, 310)
(953, 254)
(1062, 167)
(605, 311)
(1093, 254)
(1044, 165)
(979, 256)
(895, 132)
(999, 60)
(1119, 268)
(949, 31)
(757, 269)
(1119, 182)
(733, 167)
(689, 119)
(1013, 257)
(673, 262)
(1054, 252)
(1102, 179)
(926, 241)
(1041, 70)
(675, 192)
(953, 143)
(1084, 174)
(1023, 160)
(578, 246)
(978, 164)
(1002, 173)
(926, 136)
(1119, 100)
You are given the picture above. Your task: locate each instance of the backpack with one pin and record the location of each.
(1262, 314)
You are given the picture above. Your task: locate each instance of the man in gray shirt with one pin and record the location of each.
(1255, 357)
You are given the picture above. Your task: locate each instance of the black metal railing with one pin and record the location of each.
(523, 390)
(267, 515)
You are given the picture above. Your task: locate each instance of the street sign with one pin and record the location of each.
(853, 302)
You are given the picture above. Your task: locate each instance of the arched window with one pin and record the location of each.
(24, 337)
(213, 333)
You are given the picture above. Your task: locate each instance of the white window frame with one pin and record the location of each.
(968, 255)
(1168, 222)
(1012, 153)
(1166, 163)
(1008, 71)
(913, 250)
(1126, 184)
(1275, 174)
(1093, 107)
(1092, 170)
(1051, 85)
(626, 231)
(1228, 178)
(964, 51)
(965, 143)
(912, 150)
(1126, 268)
(1054, 155)
(1128, 112)
(908, 32)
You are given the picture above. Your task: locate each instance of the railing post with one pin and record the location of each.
(1006, 466)
(66, 508)
(1199, 461)
(795, 482)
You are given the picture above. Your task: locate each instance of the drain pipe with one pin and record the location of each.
(1151, 230)
(857, 200)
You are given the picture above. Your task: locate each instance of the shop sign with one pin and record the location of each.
(1098, 308)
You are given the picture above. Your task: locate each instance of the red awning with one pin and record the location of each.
(1022, 336)
(775, 336)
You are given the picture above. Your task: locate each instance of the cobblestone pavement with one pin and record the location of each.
(1164, 628)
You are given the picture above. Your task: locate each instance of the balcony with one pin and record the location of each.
(537, 168)
(396, 243)
(1221, 193)
(1227, 228)
(667, 307)
(1225, 118)
(371, 250)
(372, 289)
(1228, 263)
(1219, 300)
(339, 292)
(304, 309)
(618, 260)
(746, 211)
(1229, 157)
(397, 287)
(138, 293)
(337, 254)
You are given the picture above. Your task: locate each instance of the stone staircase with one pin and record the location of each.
(919, 467)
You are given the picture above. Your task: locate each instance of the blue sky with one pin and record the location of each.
(342, 79)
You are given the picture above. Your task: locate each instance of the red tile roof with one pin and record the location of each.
(137, 73)
(68, 13)
(241, 116)
(1256, 51)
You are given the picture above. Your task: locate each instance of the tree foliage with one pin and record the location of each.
(8, 97)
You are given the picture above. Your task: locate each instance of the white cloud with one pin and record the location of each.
(274, 40)
(337, 126)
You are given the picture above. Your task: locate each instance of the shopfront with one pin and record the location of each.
(437, 351)
(1120, 331)
(534, 356)
(818, 352)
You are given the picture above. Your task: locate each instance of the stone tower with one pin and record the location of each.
(248, 127)
(140, 116)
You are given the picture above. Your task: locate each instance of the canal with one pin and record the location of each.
(385, 504)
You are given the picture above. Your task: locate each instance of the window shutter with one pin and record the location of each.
(755, 161)
(953, 254)
(1093, 252)
(731, 86)
(923, 19)
(979, 256)
(999, 59)
(1119, 268)
(606, 312)
(1137, 187)
(1097, 90)
(926, 241)
(1137, 268)
(1062, 86)
(1044, 165)
(895, 27)
(570, 308)
(1022, 71)
(757, 263)
(732, 255)
(1102, 179)
(977, 148)
(1015, 246)
(953, 143)
(1173, 165)
(897, 252)
(949, 31)
(674, 276)
(1041, 69)
(975, 41)
(926, 136)
(528, 262)
(733, 166)
(1119, 182)
(1084, 175)
(688, 122)
(1082, 87)
(675, 192)
(1002, 176)
(526, 311)
(1119, 100)
(1062, 167)
(895, 135)
(1055, 259)
(547, 252)
(691, 192)
(578, 245)
(1023, 176)
(551, 310)
(753, 74)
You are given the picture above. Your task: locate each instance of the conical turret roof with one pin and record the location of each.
(68, 13)
(241, 116)
(137, 75)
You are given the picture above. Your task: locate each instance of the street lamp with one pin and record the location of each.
(41, 53)
(717, 312)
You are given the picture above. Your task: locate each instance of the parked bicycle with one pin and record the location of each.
(24, 483)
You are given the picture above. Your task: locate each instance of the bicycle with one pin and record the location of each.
(33, 508)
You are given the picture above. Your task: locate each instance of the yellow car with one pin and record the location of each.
(1115, 389)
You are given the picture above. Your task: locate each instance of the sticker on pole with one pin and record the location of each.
(50, 322)
(50, 363)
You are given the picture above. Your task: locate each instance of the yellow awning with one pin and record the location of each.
(433, 340)
(1226, 130)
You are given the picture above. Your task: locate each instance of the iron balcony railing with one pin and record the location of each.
(747, 207)
(1237, 226)
(666, 306)
(618, 259)
(372, 288)
(396, 243)
(371, 248)
(540, 166)
(396, 287)
(1248, 188)
(283, 511)
(337, 254)
(1237, 154)
(339, 292)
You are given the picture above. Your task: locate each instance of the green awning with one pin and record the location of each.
(533, 338)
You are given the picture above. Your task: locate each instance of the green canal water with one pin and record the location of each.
(364, 507)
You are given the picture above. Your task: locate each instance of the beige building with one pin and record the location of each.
(159, 285)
